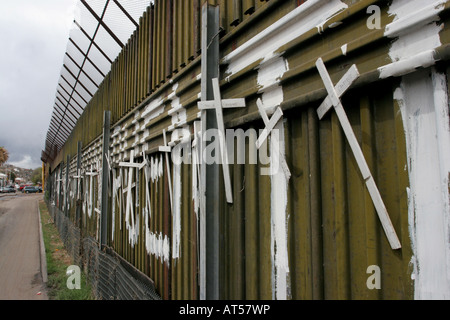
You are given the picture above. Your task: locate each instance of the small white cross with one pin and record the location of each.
(218, 105)
(333, 100)
(129, 205)
(342, 86)
(91, 175)
(147, 191)
(270, 124)
(78, 177)
(167, 149)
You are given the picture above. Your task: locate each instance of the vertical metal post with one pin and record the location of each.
(105, 179)
(66, 193)
(209, 225)
(77, 191)
(61, 188)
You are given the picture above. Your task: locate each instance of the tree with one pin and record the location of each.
(36, 176)
(12, 177)
(4, 155)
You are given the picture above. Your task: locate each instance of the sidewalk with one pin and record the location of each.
(20, 250)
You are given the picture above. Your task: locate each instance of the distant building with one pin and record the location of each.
(3, 178)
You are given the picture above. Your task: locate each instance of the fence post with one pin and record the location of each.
(105, 179)
(209, 223)
(78, 187)
(61, 187)
(66, 193)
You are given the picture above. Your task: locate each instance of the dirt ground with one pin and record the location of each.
(20, 271)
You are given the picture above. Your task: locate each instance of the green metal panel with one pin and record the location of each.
(333, 232)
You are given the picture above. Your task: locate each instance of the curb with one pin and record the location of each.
(42, 249)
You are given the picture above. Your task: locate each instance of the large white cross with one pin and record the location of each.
(218, 105)
(167, 149)
(333, 100)
(270, 125)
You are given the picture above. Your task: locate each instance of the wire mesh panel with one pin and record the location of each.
(100, 30)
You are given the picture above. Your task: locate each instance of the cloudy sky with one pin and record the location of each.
(33, 38)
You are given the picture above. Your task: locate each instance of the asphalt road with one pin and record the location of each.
(20, 271)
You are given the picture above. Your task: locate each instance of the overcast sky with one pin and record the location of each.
(33, 40)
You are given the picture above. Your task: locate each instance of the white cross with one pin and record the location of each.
(196, 169)
(167, 149)
(147, 191)
(116, 184)
(218, 105)
(78, 177)
(333, 100)
(129, 205)
(270, 124)
(91, 175)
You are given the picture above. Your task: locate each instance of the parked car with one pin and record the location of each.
(8, 189)
(23, 186)
(30, 189)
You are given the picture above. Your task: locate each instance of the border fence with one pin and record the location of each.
(219, 159)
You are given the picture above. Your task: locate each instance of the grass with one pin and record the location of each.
(58, 260)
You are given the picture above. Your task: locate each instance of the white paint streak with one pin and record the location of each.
(279, 216)
(177, 112)
(176, 214)
(269, 75)
(179, 135)
(158, 245)
(153, 109)
(428, 163)
(423, 102)
(417, 36)
(156, 168)
(310, 15)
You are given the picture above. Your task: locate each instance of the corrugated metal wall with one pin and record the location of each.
(333, 234)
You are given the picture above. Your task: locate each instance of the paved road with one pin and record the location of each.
(20, 271)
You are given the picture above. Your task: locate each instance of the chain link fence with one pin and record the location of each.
(111, 277)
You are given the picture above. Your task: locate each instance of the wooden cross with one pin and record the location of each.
(129, 205)
(116, 184)
(333, 100)
(167, 149)
(147, 191)
(91, 175)
(270, 125)
(78, 177)
(218, 105)
(196, 169)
